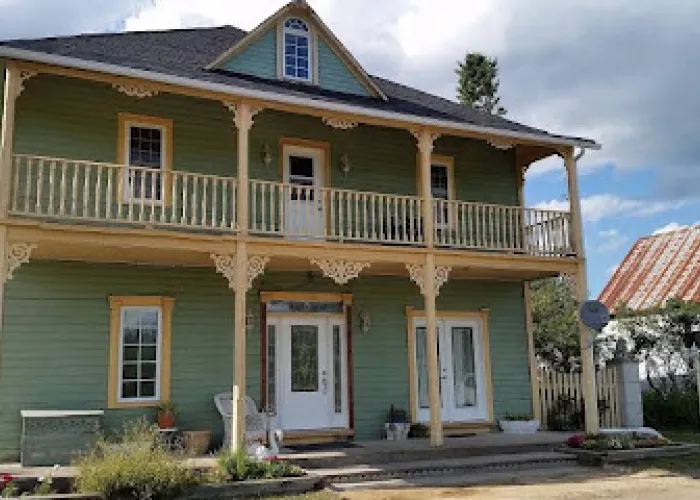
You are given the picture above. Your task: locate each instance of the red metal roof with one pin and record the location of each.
(657, 268)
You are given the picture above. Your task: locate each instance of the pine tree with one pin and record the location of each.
(478, 83)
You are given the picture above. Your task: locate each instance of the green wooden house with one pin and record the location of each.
(190, 212)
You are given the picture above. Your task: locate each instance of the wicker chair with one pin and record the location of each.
(256, 422)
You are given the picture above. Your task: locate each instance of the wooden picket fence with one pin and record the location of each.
(553, 385)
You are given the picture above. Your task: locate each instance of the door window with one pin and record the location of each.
(304, 357)
(301, 173)
(464, 379)
(422, 367)
(440, 190)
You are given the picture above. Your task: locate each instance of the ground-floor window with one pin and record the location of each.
(139, 350)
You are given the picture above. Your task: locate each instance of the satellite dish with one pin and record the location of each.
(595, 315)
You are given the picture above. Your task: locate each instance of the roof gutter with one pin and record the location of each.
(75, 63)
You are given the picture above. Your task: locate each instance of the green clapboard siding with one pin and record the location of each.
(257, 59)
(55, 344)
(69, 118)
(334, 74)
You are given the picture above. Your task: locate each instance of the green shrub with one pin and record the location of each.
(134, 465)
(671, 408)
(239, 467)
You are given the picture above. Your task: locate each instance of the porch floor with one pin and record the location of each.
(372, 452)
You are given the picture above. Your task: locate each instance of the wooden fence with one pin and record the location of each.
(557, 386)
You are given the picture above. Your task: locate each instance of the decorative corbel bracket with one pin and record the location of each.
(340, 271)
(226, 266)
(17, 254)
(417, 274)
(238, 118)
(501, 143)
(24, 75)
(139, 92)
(425, 140)
(339, 123)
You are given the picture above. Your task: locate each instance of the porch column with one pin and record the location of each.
(12, 90)
(587, 362)
(426, 141)
(244, 122)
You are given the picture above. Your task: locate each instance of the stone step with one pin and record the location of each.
(347, 458)
(510, 476)
(445, 466)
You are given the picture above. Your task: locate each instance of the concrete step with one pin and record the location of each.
(444, 466)
(511, 476)
(347, 458)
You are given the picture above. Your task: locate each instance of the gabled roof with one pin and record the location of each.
(183, 55)
(657, 268)
(294, 8)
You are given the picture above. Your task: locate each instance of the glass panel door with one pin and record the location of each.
(303, 173)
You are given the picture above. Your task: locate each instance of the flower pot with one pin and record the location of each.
(166, 420)
(197, 442)
(396, 431)
(519, 426)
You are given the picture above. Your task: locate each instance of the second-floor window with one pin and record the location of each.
(145, 149)
(297, 50)
(440, 187)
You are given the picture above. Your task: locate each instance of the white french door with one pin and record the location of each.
(303, 172)
(311, 374)
(461, 369)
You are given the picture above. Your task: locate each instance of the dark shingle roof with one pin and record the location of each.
(187, 52)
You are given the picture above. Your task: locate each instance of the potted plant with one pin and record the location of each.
(519, 424)
(165, 415)
(397, 425)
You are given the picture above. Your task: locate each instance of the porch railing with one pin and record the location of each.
(461, 224)
(93, 192)
(56, 188)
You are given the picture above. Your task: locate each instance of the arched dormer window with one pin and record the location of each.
(297, 50)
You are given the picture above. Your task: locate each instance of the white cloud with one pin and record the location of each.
(601, 206)
(610, 240)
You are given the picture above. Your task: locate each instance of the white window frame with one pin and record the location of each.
(128, 192)
(283, 50)
(448, 164)
(159, 355)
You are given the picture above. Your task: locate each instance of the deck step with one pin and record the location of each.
(511, 476)
(442, 467)
(340, 459)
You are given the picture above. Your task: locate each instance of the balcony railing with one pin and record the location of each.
(92, 192)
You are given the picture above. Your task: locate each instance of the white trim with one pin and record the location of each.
(72, 62)
(159, 355)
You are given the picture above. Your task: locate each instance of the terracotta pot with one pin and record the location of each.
(166, 420)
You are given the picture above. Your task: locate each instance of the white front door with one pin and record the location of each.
(303, 173)
(312, 388)
(462, 371)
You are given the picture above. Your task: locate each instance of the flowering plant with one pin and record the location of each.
(576, 441)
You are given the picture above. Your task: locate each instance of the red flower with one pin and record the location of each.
(575, 441)
(5, 479)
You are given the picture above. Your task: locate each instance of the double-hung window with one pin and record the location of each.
(441, 188)
(146, 154)
(297, 50)
(140, 351)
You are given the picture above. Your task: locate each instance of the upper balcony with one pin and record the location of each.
(72, 191)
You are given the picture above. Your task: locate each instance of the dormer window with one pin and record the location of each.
(297, 50)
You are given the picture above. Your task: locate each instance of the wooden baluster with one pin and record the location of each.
(74, 191)
(184, 188)
(284, 200)
(234, 197)
(193, 200)
(39, 185)
(224, 202)
(111, 171)
(204, 217)
(154, 194)
(271, 206)
(28, 185)
(16, 172)
(97, 210)
(52, 184)
(87, 175)
(253, 205)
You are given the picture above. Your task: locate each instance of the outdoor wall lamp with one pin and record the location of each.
(266, 155)
(365, 322)
(344, 164)
(249, 320)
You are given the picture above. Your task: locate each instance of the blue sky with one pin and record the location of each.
(624, 73)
